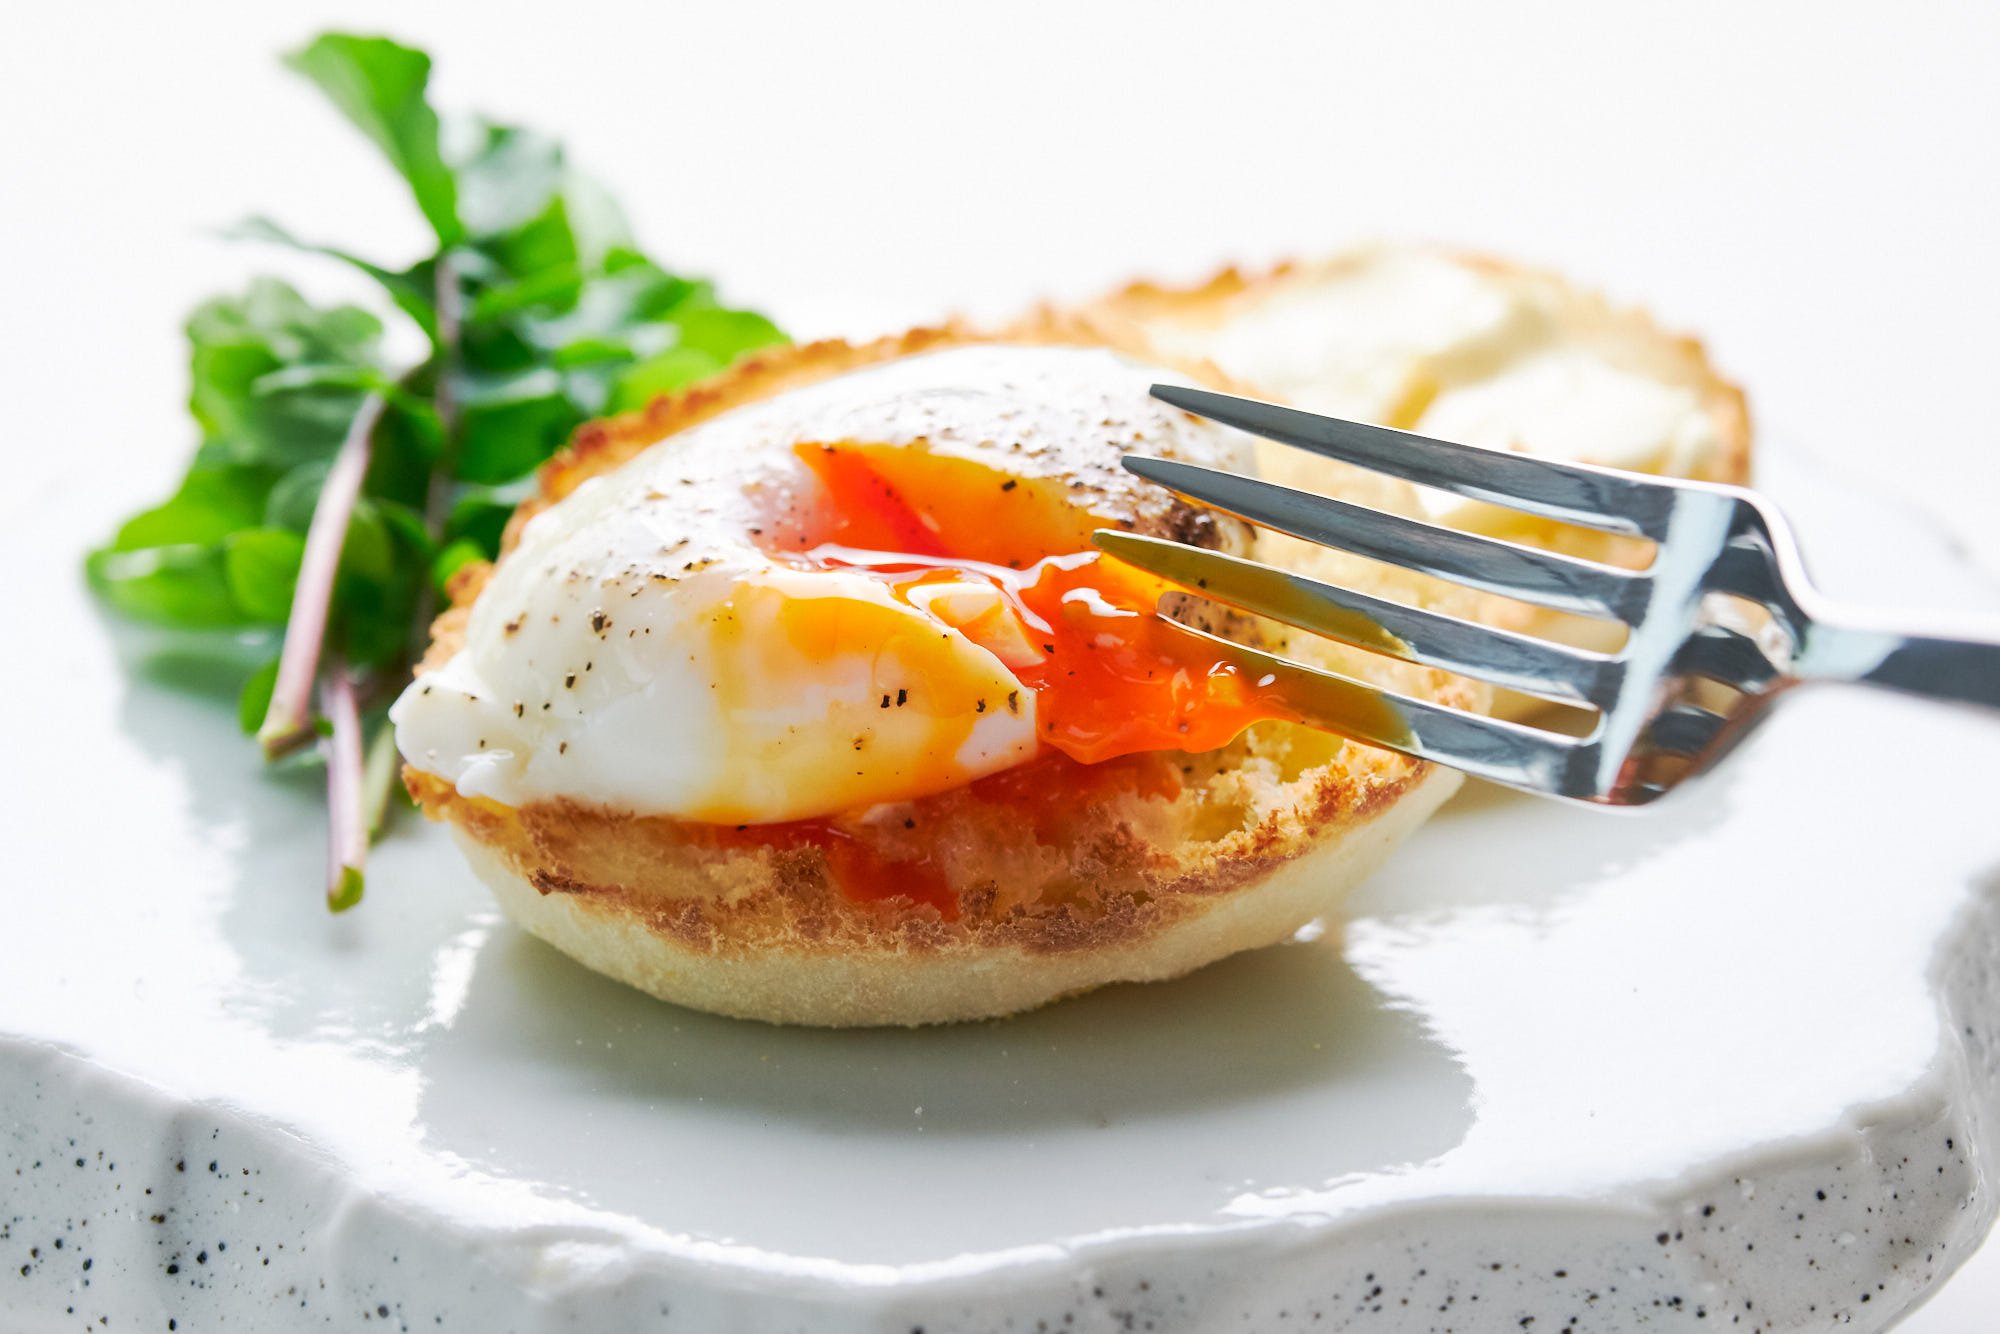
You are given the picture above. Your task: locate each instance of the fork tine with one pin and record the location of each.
(1518, 662)
(1481, 562)
(1486, 747)
(1569, 492)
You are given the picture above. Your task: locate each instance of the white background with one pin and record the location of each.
(1815, 189)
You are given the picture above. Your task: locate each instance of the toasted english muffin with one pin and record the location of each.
(1461, 347)
(982, 898)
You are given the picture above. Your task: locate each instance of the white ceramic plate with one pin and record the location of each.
(1731, 1061)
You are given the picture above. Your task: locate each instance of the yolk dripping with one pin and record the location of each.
(1110, 676)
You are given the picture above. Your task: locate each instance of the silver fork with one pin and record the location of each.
(1651, 730)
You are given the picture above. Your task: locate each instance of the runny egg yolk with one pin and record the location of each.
(971, 547)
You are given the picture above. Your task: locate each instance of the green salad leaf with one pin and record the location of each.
(380, 86)
(331, 493)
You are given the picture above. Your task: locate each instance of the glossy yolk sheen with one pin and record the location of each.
(1109, 675)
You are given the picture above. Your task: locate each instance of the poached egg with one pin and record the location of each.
(860, 591)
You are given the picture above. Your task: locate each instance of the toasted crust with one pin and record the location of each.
(1163, 864)
(912, 974)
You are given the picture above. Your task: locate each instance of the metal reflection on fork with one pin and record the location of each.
(1648, 735)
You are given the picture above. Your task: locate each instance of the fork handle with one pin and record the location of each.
(1963, 671)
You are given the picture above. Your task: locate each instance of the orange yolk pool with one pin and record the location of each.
(1110, 676)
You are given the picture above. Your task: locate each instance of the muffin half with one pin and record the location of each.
(803, 696)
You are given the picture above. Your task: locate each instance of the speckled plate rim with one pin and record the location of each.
(1112, 1274)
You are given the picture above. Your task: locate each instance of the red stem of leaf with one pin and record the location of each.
(288, 720)
(347, 817)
